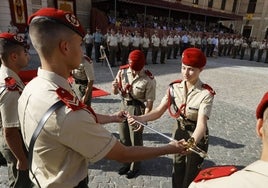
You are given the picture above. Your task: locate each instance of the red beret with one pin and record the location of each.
(193, 57)
(262, 106)
(66, 18)
(136, 60)
(13, 38)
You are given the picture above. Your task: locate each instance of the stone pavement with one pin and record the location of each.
(239, 85)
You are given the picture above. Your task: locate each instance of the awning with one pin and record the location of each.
(177, 6)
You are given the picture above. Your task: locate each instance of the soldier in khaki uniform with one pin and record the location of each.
(137, 88)
(253, 47)
(84, 78)
(73, 136)
(14, 56)
(255, 174)
(189, 101)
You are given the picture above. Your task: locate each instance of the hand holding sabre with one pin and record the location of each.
(190, 145)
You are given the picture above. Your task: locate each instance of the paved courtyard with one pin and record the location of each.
(239, 85)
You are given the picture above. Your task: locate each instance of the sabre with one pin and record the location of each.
(190, 145)
(103, 55)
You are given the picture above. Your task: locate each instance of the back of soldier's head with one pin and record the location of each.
(46, 34)
(10, 43)
(49, 26)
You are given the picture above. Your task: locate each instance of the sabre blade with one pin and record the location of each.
(102, 50)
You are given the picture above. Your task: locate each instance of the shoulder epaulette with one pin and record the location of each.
(73, 102)
(149, 74)
(88, 59)
(215, 172)
(124, 67)
(175, 82)
(70, 100)
(11, 84)
(205, 86)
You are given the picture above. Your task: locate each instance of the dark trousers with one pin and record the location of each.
(17, 178)
(127, 136)
(163, 54)
(154, 54)
(176, 50)
(83, 183)
(89, 48)
(185, 168)
(97, 51)
(145, 51)
(252, 54)
(260, 53)
(124, 55)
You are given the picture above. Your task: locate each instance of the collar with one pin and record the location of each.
(55, 78)
(7, 72)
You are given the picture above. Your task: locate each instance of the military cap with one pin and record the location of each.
(16, 39)
(262, 106)
(136, 60)
(194, 57)
(66, 18)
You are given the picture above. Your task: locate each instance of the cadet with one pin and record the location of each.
(189, 101)
(88, 40)
(137, 86)
(72, 137)
(14, 56)
(254, 175)
(84, 78)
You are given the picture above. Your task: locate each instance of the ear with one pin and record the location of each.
(13, 56)
(64, 47)
(259, 127)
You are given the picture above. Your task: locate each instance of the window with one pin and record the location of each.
(252, 6)
(195, 2)
(210, 3)
(223, 3)
(234, 6)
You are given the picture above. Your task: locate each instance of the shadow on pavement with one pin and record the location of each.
(213, 140)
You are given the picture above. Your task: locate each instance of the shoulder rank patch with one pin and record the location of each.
(175, 82)
(88, 59)
(205, 86)
(70, 100)
(149, 74)
(124, 67)
(215, 172)
(11, 84)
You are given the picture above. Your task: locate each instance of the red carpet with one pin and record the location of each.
(27, 75)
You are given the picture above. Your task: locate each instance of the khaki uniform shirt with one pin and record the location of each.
(155, 41)
(145, 42)
(198, 100)
(112, 40)
(69, 139)
(254, 175)
(143, 87)
(9, 99)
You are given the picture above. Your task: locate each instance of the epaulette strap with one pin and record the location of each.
(206, 86)
(124, 67)
(175, 82)
(88, 59)
(149, 74)
(11, 84)
(73, 102)
(215, 172)
(171, 102)
(70, 100)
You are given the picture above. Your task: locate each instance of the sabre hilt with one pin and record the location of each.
(190, 145)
